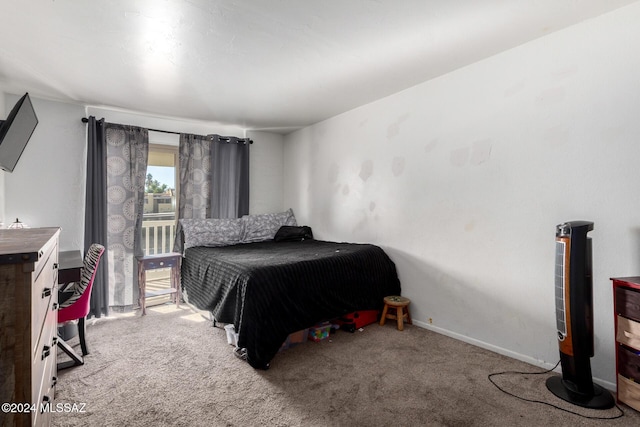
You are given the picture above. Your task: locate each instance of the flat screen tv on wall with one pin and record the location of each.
(15, 132)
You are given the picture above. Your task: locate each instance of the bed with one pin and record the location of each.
(268, 289)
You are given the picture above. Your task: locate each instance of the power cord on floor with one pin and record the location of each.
(490, 376)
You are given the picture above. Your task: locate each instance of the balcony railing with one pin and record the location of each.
(158, 232)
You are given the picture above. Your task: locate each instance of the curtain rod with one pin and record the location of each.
(224, 138)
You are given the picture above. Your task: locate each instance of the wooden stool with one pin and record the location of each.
(401, 304)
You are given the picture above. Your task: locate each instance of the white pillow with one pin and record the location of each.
(211, 231)
(261, 227)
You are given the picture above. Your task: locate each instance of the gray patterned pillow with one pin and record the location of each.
(211, 232)
(258, 228)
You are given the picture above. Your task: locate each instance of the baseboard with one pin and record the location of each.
(503, 351)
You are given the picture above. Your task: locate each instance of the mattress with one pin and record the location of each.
(268, 290)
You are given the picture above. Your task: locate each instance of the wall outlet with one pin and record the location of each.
(430, 320)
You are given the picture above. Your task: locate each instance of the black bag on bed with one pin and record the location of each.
(290, 233)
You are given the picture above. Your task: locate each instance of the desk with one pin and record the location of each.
(70, 265)
(150, 262)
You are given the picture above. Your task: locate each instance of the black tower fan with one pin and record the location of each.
(574, 317)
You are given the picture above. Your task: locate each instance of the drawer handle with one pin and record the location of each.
(631, 336)
(45, 352)
(46, 400)
(46, 292)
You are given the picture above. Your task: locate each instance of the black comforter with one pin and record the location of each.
(271, 289)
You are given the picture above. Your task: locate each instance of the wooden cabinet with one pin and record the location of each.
(626, 300)
(28, 321)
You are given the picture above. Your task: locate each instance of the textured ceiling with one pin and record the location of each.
(277, 65)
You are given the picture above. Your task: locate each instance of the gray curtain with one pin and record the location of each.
(127, 156)
(95, 213)
(229, 177)
(194, 159)
(214, 179)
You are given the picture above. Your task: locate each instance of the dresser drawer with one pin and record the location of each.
(629, 392)
(44, 372)
(47, 335)
(49, 378)
(628, 332)
(160, 262)
(44, 256)
(629, 363)
(628, 303)
(45, 357)
(43, 295)
(42, 418)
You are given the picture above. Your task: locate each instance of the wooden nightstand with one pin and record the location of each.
(150, 262)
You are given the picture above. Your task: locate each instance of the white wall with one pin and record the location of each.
(463, 179)
(266, 175)
(46, 188)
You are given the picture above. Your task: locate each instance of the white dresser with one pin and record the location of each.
(28, 321)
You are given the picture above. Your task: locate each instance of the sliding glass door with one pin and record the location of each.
(158, 226)
(159, 219)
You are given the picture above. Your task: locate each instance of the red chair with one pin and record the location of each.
(74, 304)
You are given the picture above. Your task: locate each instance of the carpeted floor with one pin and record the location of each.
(173, 368)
